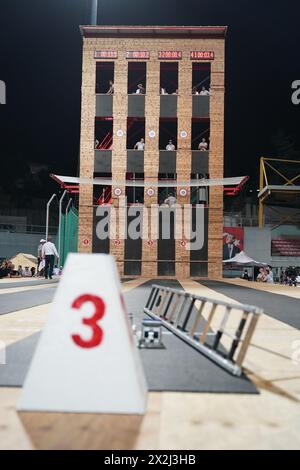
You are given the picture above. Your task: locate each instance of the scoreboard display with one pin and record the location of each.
(202, 55)
(175, 55)
(137, 55)
(106, 55)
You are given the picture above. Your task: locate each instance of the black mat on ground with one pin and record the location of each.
(21, 300)
(280, 307)
(177, 368)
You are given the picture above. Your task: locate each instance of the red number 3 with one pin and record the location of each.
(97, 336)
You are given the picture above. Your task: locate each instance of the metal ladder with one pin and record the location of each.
(183, 313)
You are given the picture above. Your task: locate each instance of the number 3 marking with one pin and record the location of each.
(92, 322)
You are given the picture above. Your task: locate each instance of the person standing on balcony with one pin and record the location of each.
(170, 147)
(111, 88)
(140, 89)
(140, 145)
(203, 146)
(49, 251)
(204, 92)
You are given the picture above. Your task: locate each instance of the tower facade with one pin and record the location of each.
(152, 122)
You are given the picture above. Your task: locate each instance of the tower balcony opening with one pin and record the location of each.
(105, 77)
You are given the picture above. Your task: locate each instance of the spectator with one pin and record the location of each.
(204, 92)
(175, 92)
(26, 272)
(20, 270)
(111, 88)
(195, 91)
(245, 275)
(140, 89)
(163, 91)
(56, 270)
(140, 145)
(170, 147)
(40, 249)
(203, 146)
(4, 270)
(171, 200)
(261, 276)
(49, 252)
(96, 143)
(269, 275)
(32, 271)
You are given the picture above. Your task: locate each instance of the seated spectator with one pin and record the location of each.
(163, 91)
(26, 272)
(96, 143)
(56, 270)
(140, 145)
(32, 270)
(195, 91)
(171, 200)
(170, 147)
(204, 92)
(111, 88)
(140, 89)
(262, 277)
(20, 270)
(245, 275)
(6, 269)
(203, 146)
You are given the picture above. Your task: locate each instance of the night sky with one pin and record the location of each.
(40, 62)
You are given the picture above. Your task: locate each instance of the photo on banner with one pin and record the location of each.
(233, 242)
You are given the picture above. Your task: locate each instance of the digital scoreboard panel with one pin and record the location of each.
(170, 55)
(138, 55)
(202, 55)
(106, 55)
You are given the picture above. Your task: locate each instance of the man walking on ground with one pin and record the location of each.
(49, 251)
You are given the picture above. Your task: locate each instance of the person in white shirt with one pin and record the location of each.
(204, 92)
(171, 200)
(170, 146)
(111, 88)
(140, 89)
(49, 251)
(163, 91)
(26, 272)
(203, 145)
(140, 145)
(270, 276)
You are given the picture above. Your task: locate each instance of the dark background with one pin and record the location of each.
(40, 61)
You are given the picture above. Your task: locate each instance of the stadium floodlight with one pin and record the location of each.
(94, 15)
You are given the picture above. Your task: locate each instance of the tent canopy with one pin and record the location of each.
(243, 258)
(24, 259)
